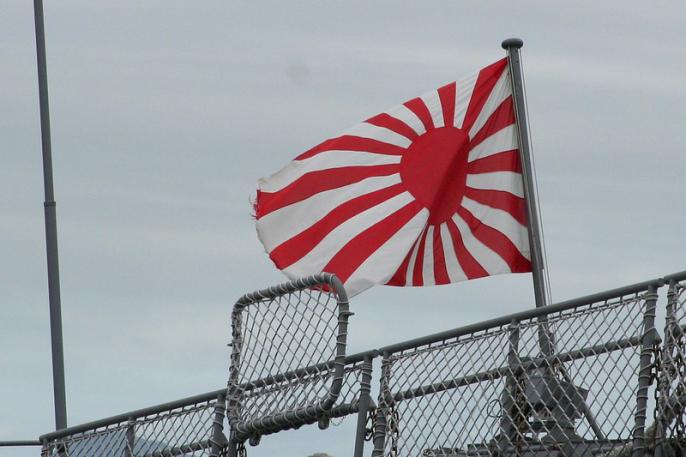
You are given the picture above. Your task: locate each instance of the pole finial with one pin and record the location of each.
(512, 43)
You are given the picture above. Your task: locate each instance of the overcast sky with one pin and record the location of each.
(165, 113)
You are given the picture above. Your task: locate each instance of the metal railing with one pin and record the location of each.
(190, 427)
(567, 377)
(288, 364)
(573, 379)
(669, 429)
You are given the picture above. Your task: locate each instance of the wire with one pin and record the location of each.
(544, 253)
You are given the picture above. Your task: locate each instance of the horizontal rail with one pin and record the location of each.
(312, 369)
(20, 443)
(679, 276)
(525, 365)
(390, 349)
(182, 450)
(119, 418)
(520, 316)
(294, 286)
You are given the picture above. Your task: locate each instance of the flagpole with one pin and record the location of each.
(512, 46)
(50, 227)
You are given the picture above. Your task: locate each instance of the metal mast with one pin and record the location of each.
(512, 46)
(50, 226)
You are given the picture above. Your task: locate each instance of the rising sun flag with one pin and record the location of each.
(429, 192)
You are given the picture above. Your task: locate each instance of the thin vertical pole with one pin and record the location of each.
(363, 405)
(50, 227)
(130, 438)
(218, 441)
(512, 46)
(645, 372)
(511, 412)
(385, 403)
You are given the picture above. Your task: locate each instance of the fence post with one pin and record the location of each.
(644, 373)
(130, 437)
(234, 391)
(508, 425)
(365, 389)
(385, 402)
(218, 440)
(668, 368)
(45, 449)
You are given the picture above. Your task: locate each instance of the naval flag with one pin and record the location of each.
(429, 192)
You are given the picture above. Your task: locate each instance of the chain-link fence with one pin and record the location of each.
(288, 365)
(572, 379)
(191, 427)
(569, 379)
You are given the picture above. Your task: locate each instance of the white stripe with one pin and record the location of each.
(433, 104)
(503, 140)
(413, 258)
(382, 134)
(284, 223)
(315, 260)
(463, 93)
(383, 263)
(498, 180)
(489, 260)
(406, 115)
(455, 271)
(502, 221)
(323, 161)
(500, 92)
(428, 266)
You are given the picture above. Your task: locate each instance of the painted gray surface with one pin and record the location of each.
(164, 114)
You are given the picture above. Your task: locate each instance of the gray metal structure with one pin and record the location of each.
(613, 386)
(50, 226)
(190, 426)
(487, 389)
(288, 361)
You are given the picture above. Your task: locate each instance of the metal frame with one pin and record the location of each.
(318, 409)
(642, 437)
(522, 315)
(646, 341)
(215, 442)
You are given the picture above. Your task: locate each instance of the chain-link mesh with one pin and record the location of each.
(670, 416)
(288, 358)
(187, 430)
(562, 382)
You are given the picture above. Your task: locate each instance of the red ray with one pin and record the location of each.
(315, 182)
(353, 143)
(440, 269)
(391, 123)
(294, 249)
(505, 201)
(496, 241)
(485, 82)
(447, 96)
(418, 268)
(498, 120)
(417, 106)
(502, 161)
(362, 246)
(471, 267)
